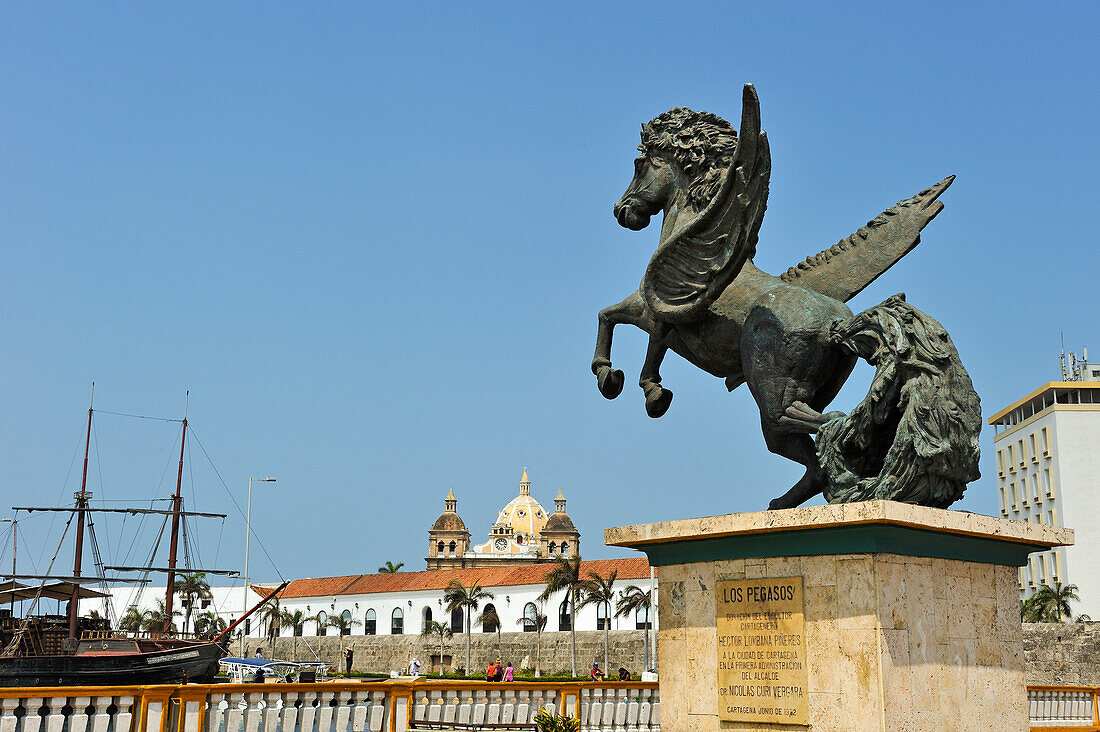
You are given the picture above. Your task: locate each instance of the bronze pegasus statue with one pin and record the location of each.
(704, 298)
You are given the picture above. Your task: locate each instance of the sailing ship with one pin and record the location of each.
(70, 650)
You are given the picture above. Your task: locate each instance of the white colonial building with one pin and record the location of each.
(1048, 472)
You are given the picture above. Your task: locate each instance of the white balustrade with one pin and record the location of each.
(1061, 708)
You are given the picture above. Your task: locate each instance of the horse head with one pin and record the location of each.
(684, 154)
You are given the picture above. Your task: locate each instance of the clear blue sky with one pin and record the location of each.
(372, 241)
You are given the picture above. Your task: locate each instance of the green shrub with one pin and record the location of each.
(547, 722)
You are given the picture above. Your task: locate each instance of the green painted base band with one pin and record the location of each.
(860, 539)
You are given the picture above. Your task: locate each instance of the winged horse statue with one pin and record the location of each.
(704, 298)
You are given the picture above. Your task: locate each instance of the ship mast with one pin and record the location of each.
(81, 505)
(170, 590)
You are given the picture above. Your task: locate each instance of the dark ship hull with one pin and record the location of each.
(117, 662)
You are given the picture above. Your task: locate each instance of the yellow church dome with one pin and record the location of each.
(523, 513)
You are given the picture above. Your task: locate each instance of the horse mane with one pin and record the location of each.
(701, 143)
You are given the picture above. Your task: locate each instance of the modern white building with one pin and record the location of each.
(1048, 472)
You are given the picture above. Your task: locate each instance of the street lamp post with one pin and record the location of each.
(247, 532)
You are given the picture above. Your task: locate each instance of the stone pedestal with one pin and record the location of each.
(911, 617)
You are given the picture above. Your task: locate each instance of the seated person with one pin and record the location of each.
(624, 675)
(596, 674)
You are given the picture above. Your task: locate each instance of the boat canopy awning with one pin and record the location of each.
(52, 591)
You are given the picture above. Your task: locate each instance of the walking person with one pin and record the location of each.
(348, 653)
(508, 672)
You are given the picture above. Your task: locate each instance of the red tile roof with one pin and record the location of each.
(438, 579)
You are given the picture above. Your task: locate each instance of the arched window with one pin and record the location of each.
(641, 619)
(456, 620)
(427, 618)
(370, 623)
(603, 622)
(487, 626)
(529, 613)
(440, 547)
(397, 622)
(564, 621)
(552, 548)
(452, 546)
(345, 629)
(565, 549)
(322, 623)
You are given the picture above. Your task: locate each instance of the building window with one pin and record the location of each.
(456, 620)
(1020, 577)
(529, 614)
(1035, 488)
(297, 631)
(641, 619)
(1056, 561)
(1048, 482)
(452, 546)
(1034, 452)
(564, 549)
(487, 626)
(1001, 463)
(1015, 496)
(603, 622)
(1042, 569)
(427, 618)
(247, 626)
(322, 623)
(1004, 506)
(1031, 568)
(1023, 491)
(345, 628)
(205, 603)
(1023, 454)
(397, 622)
(552, 548)
(565, 622)
(370, 623)
(440, 548)
(1052, 516)
(1046, 442)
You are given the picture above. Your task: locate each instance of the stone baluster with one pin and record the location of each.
(466, 707)
(523, 707)
(325, 711)
(288, 711)
(8, 720)
(377, 711)
(492, 711)
(607, 711)
(655, 713)
(480, 703)
(535, 705)
(550, 701)
(644, 709)
(620, 710)
(215, 713)
(55, 717)
(585, 706)
(78, 720)
(124, 715)
(632, 705)
(32, 720)
(342, 711)
(234, 711)
(270, 713)
(307, 712)
(435, 707)
(508, 707)
(595, 710)
(450, 708)
(360, 701)
(253, 711)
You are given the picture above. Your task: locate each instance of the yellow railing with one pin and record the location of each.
(384, 706)
(1057, 708)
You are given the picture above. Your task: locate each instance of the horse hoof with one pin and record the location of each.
(610, 382)
(657, 402)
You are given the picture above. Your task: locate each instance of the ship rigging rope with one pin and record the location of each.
(60, 496)
(17, 637)
(106, 533)
(236, 505)
(138, 416)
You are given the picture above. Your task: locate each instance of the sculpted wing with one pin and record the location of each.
(844, 269)
(698, 261)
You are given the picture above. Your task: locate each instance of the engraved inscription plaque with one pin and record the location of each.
(762, 674)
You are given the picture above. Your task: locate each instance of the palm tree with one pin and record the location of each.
(133, 620)
(1050, 604)
(391, 568)
(273, 618)
(157, 620)
(600, 591)
(467, 598)
(491, 621)
(434, 629)
(294, 620)
(208, 624)
(636, 599)
(566, 575)
(343, 627)
(538, 624)
(192, 587)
